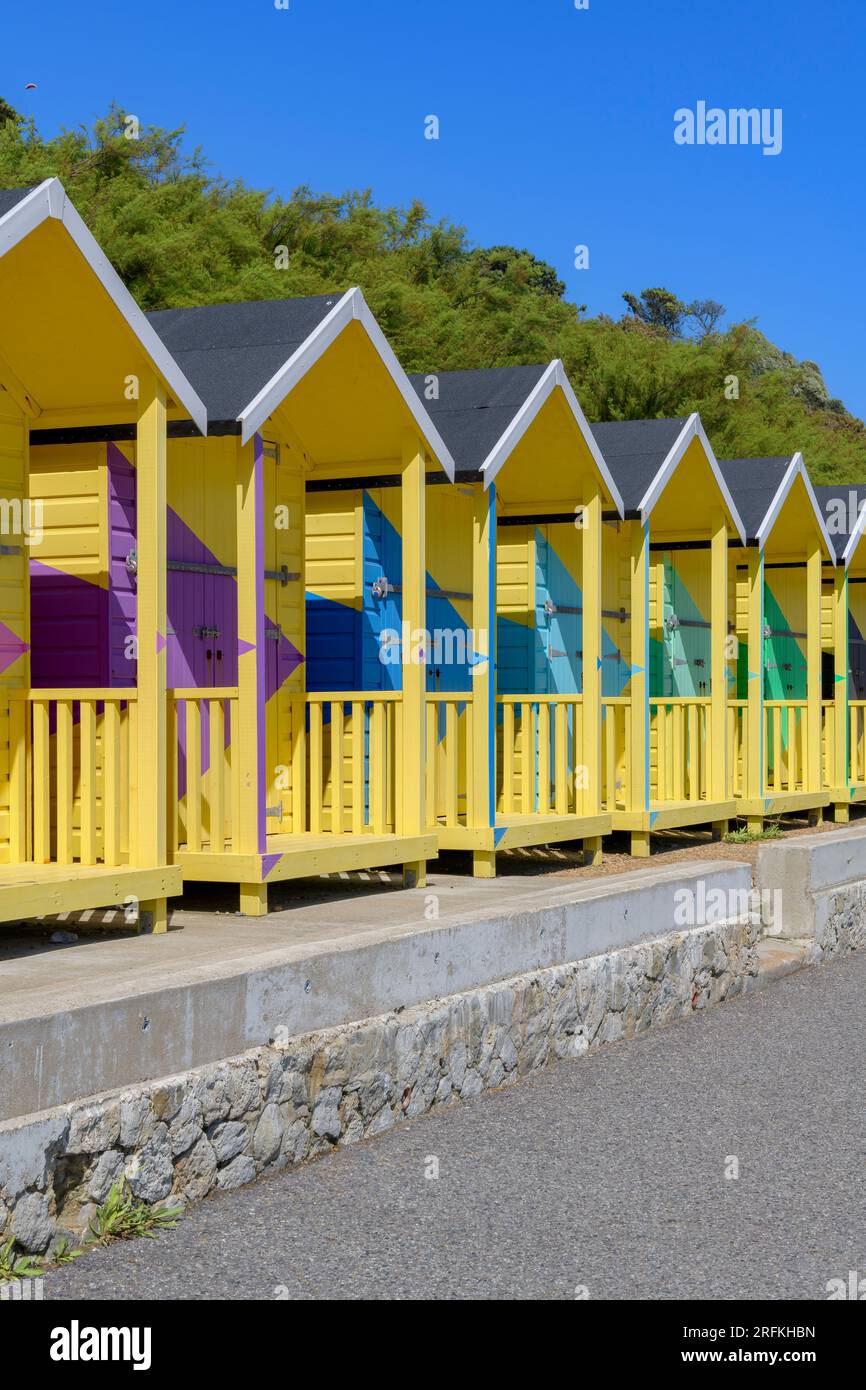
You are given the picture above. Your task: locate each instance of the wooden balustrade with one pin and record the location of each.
(616, 752)
(540, 762)
(449, 742)
(344, 762)
(857, 742)
(73, 776)
(680, 748)
(786, 752)
(202, 771)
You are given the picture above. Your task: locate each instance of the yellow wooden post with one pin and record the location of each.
(841, 771)
(754, 772)
(591, 524)
(639, 708)
(151, 847)
(413, 723)
(718, 731)
(249, 736)
(813, 666)
(482, 812)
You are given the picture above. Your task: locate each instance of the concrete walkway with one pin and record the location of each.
(606, 1174)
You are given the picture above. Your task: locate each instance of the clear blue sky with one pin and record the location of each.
(556, 129)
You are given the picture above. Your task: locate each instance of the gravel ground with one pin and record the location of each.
(606, 1174)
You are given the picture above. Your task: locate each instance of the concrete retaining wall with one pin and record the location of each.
(221, 1125)
(819, 886)
(211, 1004)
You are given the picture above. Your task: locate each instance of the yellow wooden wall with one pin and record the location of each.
(72, 481)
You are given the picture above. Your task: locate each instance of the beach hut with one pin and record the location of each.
(513, 654)
(782, 726)
(844, 640)
(271, 778)
(82, 762)
(665, 618)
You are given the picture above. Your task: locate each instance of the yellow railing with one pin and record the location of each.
(73, 776)
(204, 817)
(540, 761)
(347, 758)
(786, 753)
(738, 747)
(857, 741)
(828, 745)
(449, 740)
(616, 752)
(680, 730)
(341, 778)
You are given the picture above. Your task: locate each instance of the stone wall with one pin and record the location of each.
(222, 1125)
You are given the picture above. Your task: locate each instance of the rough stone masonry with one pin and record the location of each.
(219, 1126)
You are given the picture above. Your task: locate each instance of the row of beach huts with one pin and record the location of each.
(272, 608)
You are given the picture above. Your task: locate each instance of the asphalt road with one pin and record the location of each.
(606, 1173)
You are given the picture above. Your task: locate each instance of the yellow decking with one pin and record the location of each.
(784, 748)
(665, 755)
(82, 796)
(311, 782)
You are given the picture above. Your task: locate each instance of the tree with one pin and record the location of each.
(659, 309)
(178, 235)
(706, 313)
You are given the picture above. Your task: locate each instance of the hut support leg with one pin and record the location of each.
(841, 812)
(484, 863)
(720, 829)
(415, 874)
(592, 850)
(640, 844)
(254, 899)
(153, 917)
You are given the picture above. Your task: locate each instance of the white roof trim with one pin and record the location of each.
(351, 306)
(554, 375)
(50, 200)
(796, 468)
(692, 429)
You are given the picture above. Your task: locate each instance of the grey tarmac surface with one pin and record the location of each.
(607, 1173)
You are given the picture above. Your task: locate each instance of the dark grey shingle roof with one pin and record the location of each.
(634, 451)
(474, 408)
(753, 484)
(9, 197)
(228, 352)
(840, 509)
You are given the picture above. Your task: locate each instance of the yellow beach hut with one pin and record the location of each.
(514, 567)
(82, 768)
(844, 636)
(665, 616)
(782, 727)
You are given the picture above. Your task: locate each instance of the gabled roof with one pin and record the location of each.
(10, 197)
(754, 484)
(760, 487)
(231, 350)
(643, 455)
(484, 413)
(245, 357)
(841, 505)
(23, 210)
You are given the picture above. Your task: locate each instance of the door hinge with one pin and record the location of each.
(271, 451)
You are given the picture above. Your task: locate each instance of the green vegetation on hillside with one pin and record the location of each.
(180, 236)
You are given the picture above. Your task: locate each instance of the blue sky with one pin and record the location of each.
(556, 129)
